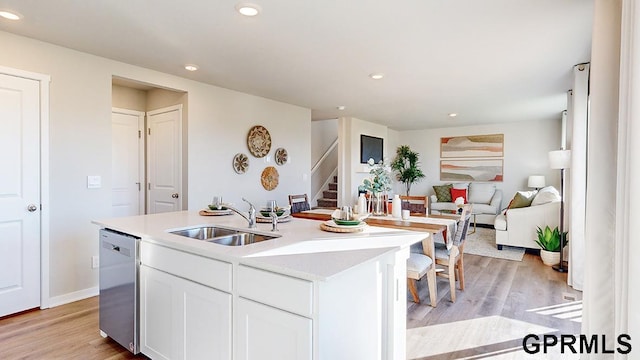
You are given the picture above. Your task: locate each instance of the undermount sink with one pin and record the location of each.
(223, 236)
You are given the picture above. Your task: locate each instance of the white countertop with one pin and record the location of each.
(303, 249)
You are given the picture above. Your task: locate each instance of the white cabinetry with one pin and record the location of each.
(181, 319)
(265, 332)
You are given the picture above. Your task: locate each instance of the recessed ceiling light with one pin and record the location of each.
(341, 107)
(248, 9)
(191, 67)
(453, 114)
(11, 15)
(376, 76)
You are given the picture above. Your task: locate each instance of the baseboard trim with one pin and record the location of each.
(74, 296)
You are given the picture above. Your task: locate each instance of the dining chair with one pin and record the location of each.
(299, 203)
(452, 259)
(417, 205)
(419, 264)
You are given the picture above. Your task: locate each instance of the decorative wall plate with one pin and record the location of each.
(240, 163)
(269, 178)
(259, 141)
(281, 156)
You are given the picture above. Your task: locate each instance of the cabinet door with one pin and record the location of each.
(265, 332)
(181, 319)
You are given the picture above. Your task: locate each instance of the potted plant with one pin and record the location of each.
(406, 167)
(549, 242)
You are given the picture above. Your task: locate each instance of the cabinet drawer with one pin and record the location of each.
(281, 291)
(206, 271)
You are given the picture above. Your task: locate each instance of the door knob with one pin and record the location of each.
(32, 208)
(175, 195)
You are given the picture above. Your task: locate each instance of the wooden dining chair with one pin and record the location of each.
(452, 259)
(417, 205)
(419, 264)
(299, 203)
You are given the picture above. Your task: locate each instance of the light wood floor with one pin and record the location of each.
(494, 287)
(65, 332)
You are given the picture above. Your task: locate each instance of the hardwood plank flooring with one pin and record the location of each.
(498, 292)
(69, 331)
(520, 297)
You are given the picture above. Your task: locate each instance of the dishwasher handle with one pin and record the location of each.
(116, 248)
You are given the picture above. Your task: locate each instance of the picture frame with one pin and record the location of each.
(472, 146)
(371, 147)
(491, 170)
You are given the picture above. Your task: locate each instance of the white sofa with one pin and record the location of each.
(518, 226)
(486, 200)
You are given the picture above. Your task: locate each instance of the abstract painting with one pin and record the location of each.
(471, 170)
(472, 146)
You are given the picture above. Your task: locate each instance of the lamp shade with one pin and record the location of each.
(559, 159)
(536, 181)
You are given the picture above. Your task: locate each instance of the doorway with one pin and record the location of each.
(149, 162)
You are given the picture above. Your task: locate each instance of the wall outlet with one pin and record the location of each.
(95, 262)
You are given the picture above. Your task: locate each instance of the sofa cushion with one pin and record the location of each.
(485, 209)
(444, 206)
(460, 186)
(481, 193)
(443, 192)
(500, 223)
(546, 195)
(456, 193)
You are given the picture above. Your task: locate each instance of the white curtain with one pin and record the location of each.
(611, 286)
(576, 187)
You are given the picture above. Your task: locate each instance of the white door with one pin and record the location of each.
(19, 194)
(127, 162)
(164, 159)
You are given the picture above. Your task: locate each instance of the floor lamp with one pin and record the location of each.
(560, 159)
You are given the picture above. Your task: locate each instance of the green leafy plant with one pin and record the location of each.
(550, 239)
(380, 181)
(406, 167)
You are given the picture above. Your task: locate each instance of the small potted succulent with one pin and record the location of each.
(549, 242)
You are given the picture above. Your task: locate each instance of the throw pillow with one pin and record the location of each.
(522, 199)
(481, 193)
(456, 193)
(546, 195)
(443, 192)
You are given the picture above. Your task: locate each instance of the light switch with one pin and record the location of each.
(94, 182)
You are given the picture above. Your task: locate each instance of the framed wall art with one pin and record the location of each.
(472, 146)
(472, 170)
(371, 147)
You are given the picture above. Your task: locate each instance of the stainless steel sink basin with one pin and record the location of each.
(205, 233)
(223, 236)
(240, 239)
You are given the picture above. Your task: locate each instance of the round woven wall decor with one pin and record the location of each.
(259, 141)
(269, 178)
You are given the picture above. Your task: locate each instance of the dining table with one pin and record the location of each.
(442, 227)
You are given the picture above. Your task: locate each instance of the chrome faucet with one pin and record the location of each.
(274, 220)
(251, 215)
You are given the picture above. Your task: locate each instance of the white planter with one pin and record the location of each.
(550, 258)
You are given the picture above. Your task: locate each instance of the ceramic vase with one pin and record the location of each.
(550, 258)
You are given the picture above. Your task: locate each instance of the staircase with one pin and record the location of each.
(329, 198)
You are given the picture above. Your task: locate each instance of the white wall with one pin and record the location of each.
(526, 147)
(323, 133)
(80, 145)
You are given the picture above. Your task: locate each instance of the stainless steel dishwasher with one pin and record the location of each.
(119, 269)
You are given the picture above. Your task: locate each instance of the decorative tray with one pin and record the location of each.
(208, 212)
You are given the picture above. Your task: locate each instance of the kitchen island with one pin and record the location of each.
(306, 294)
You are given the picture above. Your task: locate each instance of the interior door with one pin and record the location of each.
(164, 160)
(19, 194)
(127, 162)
